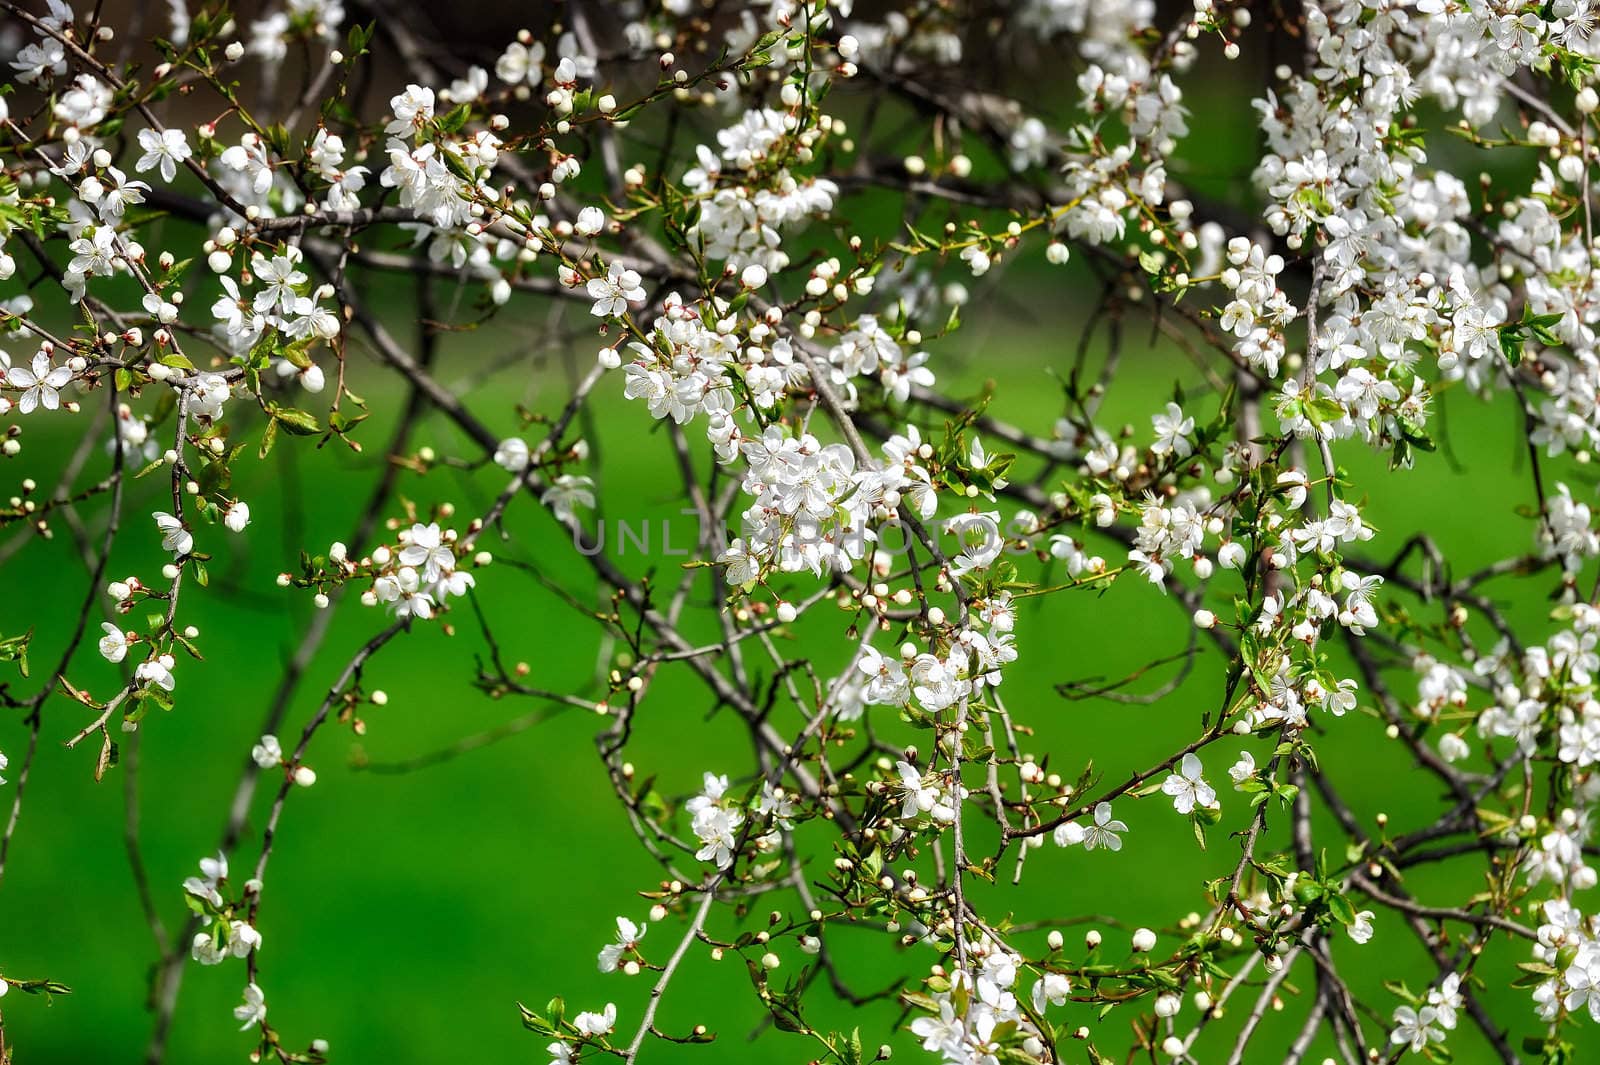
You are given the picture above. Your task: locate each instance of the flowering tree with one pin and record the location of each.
(202, 236)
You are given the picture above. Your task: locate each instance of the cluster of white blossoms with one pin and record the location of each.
(415, 577)
(1101, 34)
(743, 226)
(284, 302)
(683, 373)
(991, 1002)
(716, 818)
(807, 511)
(932, 682)
(426, 170)
(224, 934)
(1431, 1019)
(1259, 311)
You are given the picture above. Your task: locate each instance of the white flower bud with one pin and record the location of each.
(590, 221)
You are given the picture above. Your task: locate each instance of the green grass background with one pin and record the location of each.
(405, 915)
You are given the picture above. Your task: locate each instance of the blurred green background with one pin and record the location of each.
(406, 914)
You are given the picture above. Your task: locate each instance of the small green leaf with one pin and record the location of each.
(296, 421)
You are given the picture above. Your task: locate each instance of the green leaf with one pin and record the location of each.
(340, 422)
(535, 1023)
(296, 421)
(40, 987)
(358, 39)
(268, 438)
(298, 354)
(1511, 344)
(1324, 409)
(15, 649)
(456, 166)
(262, 351)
